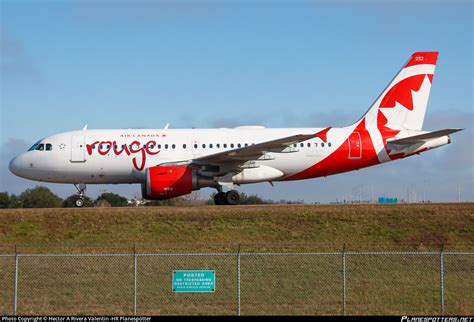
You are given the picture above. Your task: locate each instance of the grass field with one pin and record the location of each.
(211, 227)
(376, 284)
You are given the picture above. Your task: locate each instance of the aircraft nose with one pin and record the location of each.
(15, 166)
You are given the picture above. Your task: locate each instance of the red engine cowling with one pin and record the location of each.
(163, 182)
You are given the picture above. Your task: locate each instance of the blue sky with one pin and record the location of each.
(121, 64)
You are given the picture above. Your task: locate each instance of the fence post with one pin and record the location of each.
(344, 280)
(15, 285)
(134, 280)
(238, 281)
(441, 278)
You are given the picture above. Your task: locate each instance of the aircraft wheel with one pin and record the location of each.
(232, 197)
(219, 199)
(79, 202)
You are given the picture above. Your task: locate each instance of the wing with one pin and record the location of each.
(232, 160)
(255, 151)
(223, 165)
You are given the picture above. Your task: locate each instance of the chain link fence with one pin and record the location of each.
(246, 283)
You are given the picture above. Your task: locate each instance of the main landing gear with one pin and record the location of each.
(81, 190)
(231, 197)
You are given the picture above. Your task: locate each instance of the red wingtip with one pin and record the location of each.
(420, 58)
(322, 134)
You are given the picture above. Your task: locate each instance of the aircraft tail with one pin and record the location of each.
(402, 105)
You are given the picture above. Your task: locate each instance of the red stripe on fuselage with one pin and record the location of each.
(339, 161)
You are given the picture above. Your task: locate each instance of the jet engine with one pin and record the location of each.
(164, 182)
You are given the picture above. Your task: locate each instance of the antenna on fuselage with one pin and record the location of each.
(85, 127)
(167, 126)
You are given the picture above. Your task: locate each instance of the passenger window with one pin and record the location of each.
(329, 144)
(49, 147)
(309, 145)
(184, 146)
(210, 146)
(225, 145)
(203, 146)
(316, 144)
(302, 145)
(239, 145)
(232, 145)
(246, 144)
(166, 146)
(218, 145)
(173, 146)
(195, 146)
(322, 144)
(295, 145)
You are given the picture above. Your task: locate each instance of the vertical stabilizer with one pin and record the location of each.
(402, 105)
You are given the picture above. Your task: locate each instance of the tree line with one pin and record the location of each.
(42, 197)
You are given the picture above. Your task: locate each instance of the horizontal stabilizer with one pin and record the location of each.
(423, 137)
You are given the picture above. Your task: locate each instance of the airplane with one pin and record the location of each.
(173, 162)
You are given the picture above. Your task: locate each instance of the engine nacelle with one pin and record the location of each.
(260, 174)
(164, 182)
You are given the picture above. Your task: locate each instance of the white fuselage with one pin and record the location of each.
(69, 162)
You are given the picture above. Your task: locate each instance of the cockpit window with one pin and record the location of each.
(34, 146)
(41, 147)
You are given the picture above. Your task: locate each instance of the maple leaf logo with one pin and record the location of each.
(401, 92)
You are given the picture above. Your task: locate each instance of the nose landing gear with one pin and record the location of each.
(81, 190)
(79, 202)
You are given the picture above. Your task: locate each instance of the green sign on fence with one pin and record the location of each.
(194, 281)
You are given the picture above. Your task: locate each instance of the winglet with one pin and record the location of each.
(322, 134)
